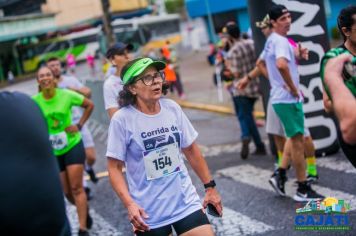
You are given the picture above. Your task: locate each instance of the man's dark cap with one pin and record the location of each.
(118, 49)
(233, 30)
(277, 11)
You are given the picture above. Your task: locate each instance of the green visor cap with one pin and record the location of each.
(139, 66)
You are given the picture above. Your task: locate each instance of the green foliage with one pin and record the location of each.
(174, 6)
(335, 34)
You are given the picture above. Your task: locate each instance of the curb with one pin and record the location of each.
(214, 108)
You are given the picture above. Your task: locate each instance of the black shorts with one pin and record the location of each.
(189, 222)
(74, 156)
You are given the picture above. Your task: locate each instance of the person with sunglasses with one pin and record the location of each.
(118, 55)
(149, 136)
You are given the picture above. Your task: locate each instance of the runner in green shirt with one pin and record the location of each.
(56, 105)
(58, 116)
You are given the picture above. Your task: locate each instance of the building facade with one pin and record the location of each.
(19, 7)
(25, 22)
(222, 11)
(69, 12)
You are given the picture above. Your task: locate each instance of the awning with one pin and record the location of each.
(197, 8)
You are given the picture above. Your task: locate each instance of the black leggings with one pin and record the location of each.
(189, 222)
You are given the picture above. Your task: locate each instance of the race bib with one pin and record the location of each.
(162, 161)
(59, 141)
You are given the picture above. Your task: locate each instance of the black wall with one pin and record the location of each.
(309, 28)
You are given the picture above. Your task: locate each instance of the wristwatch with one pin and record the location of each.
(211, 184)
(79, 126)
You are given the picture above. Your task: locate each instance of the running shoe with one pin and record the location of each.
(88, 193)
(89, 220)
(260, 151)
(277, 182)
(306, 194)
(312, 178)
(92, 175)
(276, 171)
(245, 149)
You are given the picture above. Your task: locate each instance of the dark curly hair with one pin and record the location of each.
(345, 19)
(125, 96)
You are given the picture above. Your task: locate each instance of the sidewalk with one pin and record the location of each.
(201, 93)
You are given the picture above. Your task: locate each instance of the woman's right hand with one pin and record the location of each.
(136, 215)
(72, 129)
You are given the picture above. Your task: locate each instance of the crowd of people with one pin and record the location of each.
(149, 135)
(239, 68)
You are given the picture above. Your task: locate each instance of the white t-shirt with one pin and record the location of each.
(112, 87)
(70, 81)
(276, 47)
(132, 134)
(111, 71)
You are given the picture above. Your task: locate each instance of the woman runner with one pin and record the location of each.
(148, 136)
(56, 105)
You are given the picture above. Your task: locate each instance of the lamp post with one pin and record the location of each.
(210, 21)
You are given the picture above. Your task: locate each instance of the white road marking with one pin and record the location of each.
(333, 163)
(234, 223)
(100, 225)
(258, 177)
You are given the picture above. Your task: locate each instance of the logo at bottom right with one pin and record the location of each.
(329, 214)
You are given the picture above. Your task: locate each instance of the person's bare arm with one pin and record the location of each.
(253, 74)
(261, 64)
(328, 106)
(344, 103)
(117, 180)
(85, 91)
(282, 66)
(200, 167)
(88, 106)
(111, 111)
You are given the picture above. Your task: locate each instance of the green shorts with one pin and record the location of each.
(292, 117)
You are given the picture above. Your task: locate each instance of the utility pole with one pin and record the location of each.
(210, 21)
(107, 22)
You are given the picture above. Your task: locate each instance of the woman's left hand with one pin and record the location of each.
(72, 129)
(213, 197)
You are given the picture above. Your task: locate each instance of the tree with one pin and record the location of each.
(174, 6)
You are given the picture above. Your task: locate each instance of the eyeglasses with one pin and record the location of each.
(158, 77)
